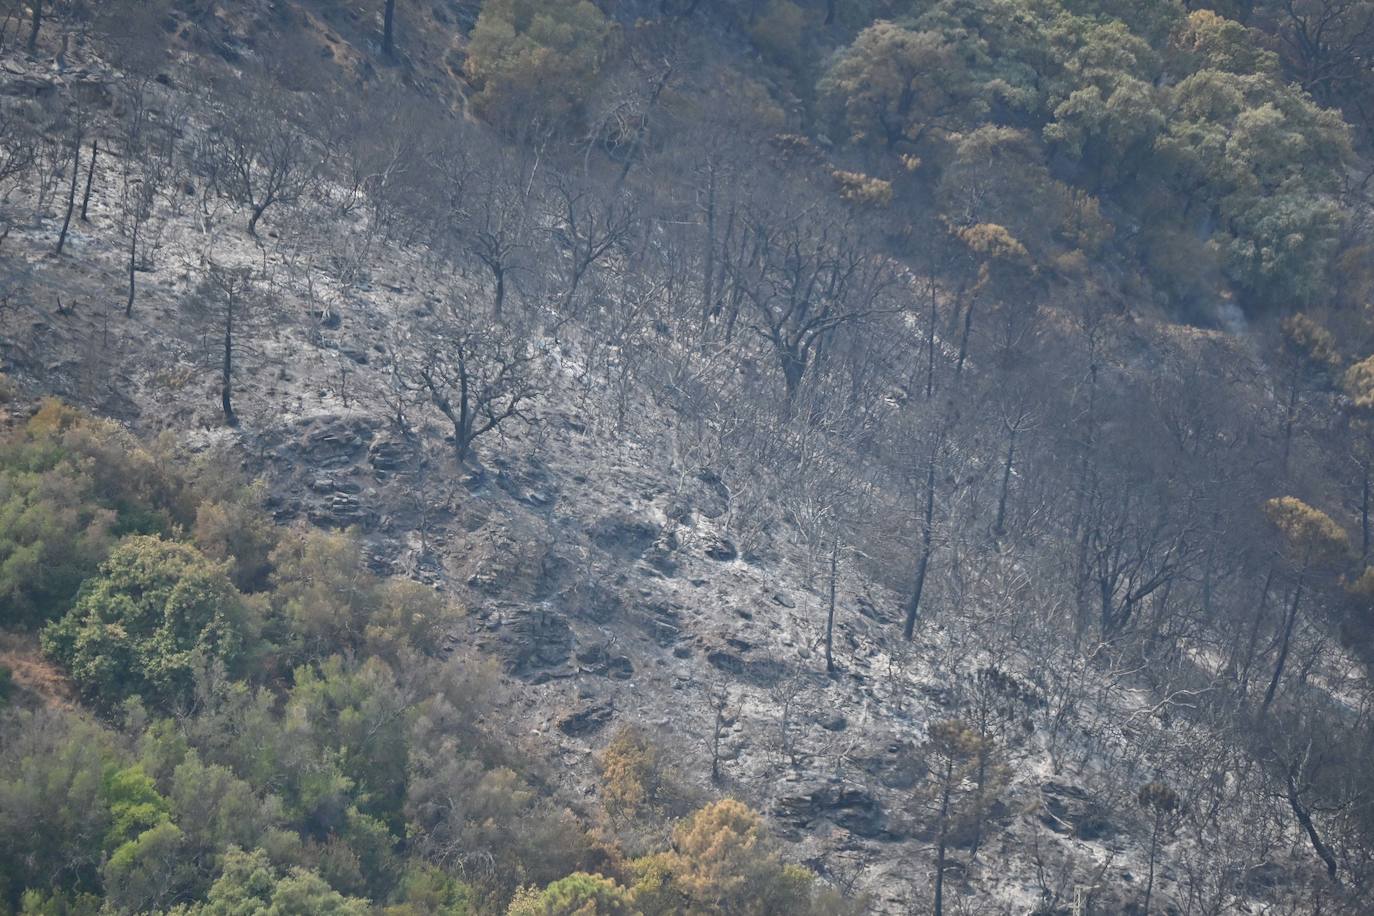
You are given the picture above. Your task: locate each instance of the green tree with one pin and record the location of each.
(359, 714)
(895, 86)
(156, 611)
(69, 484)
(1208, 41)
(55, 820)
(723, 861)
(537, 59)
(579, 894)
(1268, 163)
(146, 873)
(250, 885)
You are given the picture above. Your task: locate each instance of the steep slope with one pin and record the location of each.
(623, 570)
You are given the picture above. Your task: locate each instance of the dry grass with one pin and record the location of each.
(36, 680)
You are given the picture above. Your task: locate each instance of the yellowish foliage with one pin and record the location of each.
(1311, 534)
(861, 189)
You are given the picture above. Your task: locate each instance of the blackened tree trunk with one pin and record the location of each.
(133, 265)
(930, 340)
(964, 337)
(37, 24)
(830, 615)
(90, 179)
(998, 526)
(942, 839)
(1284, 646)
(1364, 511)
(1304, 816)
(1290, 415)
(1253, 642)
(71, 193)
(913, 608)
(226, 383)
(389, 29)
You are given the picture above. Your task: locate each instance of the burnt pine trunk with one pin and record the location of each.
(913, 608)
(500, 273)
(930, 341)
(1290, 414)
(830, 614)
(258, 211)
(1364, 511)
(1304, 817)
(1154, 851)
(1284, 645)
(37, 24)
(708, 295)
(133, 264)
(90, 179)
(71, 193)
(964, 337)
(389, 29)
(793, 370)
(1254, 631)
(226, 388)
(998, 525)
(941, 841)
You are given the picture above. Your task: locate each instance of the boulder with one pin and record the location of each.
(721, 549)
(1069, 810)
(586, 721)
(623, 534)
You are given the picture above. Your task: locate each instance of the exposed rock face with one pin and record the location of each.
(712, 498)
(343, 509)
(721, 549)
(332, 442)
(600, 660)
(1070, 810)
(535, 641)
(734, 658)
(847, 805)
(586, 721)
(624, 535)
(389, 455)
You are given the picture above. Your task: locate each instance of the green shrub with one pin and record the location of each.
(536, 59)
(69, 486)
(157, 611)
(579, 894)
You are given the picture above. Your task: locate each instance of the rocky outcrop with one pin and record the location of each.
(601, 660)
(390, 455)
(536, 641)
(586, 721)
(844, 804)
(1069, 810)
(624, 535)
(329, 441)
(735, 659)
(721, 549)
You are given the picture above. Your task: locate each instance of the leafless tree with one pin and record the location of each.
(262, 158)
(588, 224)
(477, 375)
